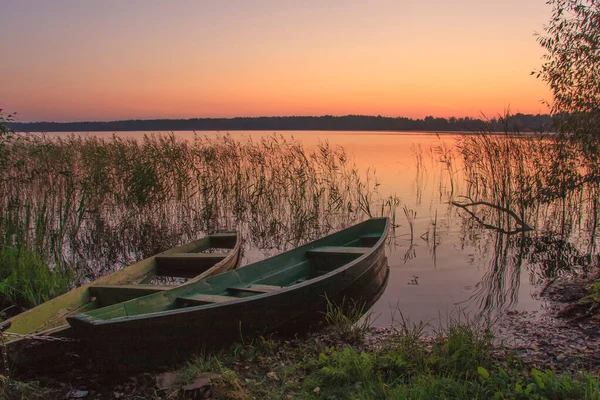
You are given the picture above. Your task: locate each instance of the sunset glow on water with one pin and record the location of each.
(104, 61)
(441, 258)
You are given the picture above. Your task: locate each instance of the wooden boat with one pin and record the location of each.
(256, 298)
(191, 261)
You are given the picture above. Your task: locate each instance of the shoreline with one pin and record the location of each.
(547, 340)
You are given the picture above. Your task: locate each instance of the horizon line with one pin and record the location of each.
(482, 117)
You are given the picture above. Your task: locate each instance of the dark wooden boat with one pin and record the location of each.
(177, 267)
(256, 298)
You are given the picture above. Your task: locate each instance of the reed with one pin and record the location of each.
(445, 155)
(532, 175)
(410, 215)
(417, 155)
(26, 280)
(348, 321)
(91, 205)
(519, 183)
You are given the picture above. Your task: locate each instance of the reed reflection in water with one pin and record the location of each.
(141, 195)
(489, 220)
(93, 205)
(535, 196)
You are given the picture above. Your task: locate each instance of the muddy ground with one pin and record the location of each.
(562, 336)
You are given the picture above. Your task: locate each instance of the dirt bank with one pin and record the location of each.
(564, 335)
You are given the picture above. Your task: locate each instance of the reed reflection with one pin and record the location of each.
(538, 202)
(92, 205)
(520, 210)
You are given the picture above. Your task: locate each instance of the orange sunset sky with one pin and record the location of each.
(104, 60)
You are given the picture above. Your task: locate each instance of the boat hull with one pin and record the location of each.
(293, 309)
(54, 340)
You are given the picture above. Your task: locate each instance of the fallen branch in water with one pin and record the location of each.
(523, 227)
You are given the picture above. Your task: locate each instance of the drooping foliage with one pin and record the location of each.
(572, 68)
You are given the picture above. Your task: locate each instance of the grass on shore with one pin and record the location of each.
(459, 361)
(26, 279)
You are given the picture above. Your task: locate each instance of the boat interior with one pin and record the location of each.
(169, 270)
(287, 269)
(185, 263)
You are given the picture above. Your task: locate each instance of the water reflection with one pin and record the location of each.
(96, 212)
(499, 286)
(531, 233)
(485, 228)
(93, 205)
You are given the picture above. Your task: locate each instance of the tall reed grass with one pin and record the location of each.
(26, 280)
(516, 181)
(91, 205)
(541, 179)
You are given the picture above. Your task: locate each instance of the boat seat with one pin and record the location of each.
(369, 239)
(255, 288)
(225, 240)
(338, 250)
(112, 294)
(199, 299)
(194, 257)
(186, 265)
(327, 258)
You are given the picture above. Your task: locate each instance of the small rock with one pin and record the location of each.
(167, 380)
(78, 394)
(201, 388)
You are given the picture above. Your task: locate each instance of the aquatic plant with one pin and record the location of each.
(349, 321)
(91, 205)
(514, 194)
(26, 280)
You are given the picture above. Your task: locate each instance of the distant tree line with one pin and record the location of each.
(516, 122)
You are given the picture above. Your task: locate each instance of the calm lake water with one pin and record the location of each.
(441, 259)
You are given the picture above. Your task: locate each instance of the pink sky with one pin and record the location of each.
(83, 60)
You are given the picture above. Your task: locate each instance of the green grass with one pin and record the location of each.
(458, 362)
(27, 280)
(347, 321)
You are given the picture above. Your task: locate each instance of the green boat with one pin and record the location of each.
(263, 296)
(177, 267)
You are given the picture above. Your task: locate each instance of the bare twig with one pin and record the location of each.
(523, 226)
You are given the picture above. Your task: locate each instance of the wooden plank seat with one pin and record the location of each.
(112, 294)
(225, 240)
(197, 257)
(338, 250)
(199, 299)
(327, 258)
(186, 264)
(369, 239)
(255, 288)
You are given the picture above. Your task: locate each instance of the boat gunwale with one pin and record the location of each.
(90, 320)
(233, 254)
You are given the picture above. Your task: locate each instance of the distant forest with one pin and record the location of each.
(516, 122)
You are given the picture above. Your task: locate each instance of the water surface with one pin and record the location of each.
(442, 258)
